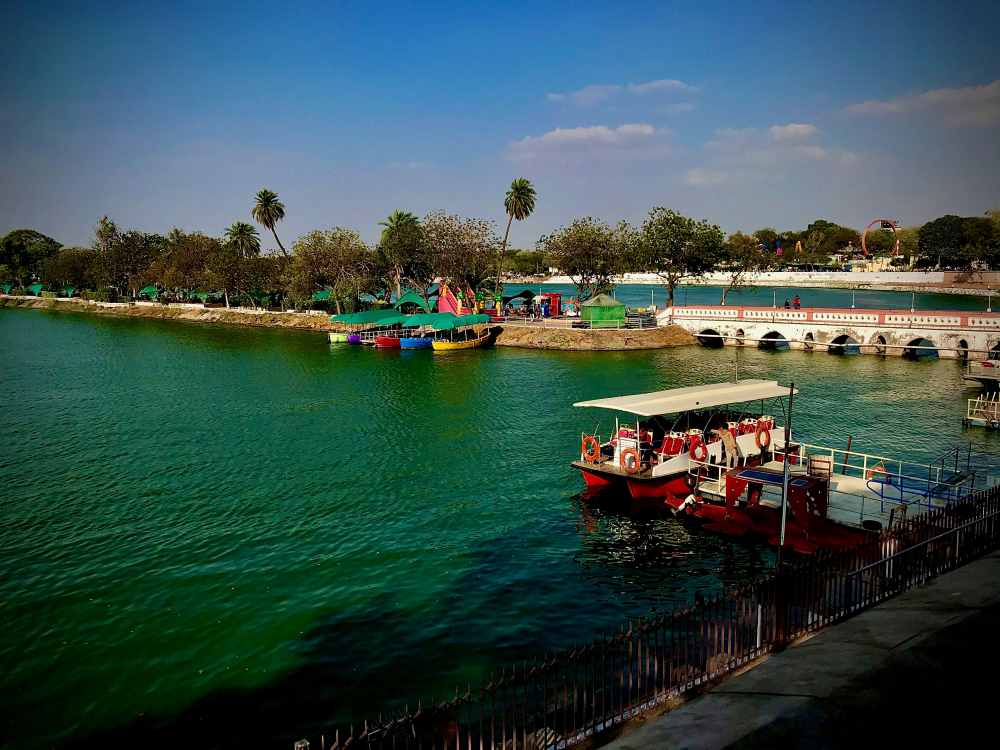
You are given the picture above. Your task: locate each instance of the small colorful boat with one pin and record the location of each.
(387, 342)
(414, 342)
(337, 337)
(468, 338)
(354, 338)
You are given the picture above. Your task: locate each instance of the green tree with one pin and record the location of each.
(244, 239)
(519, 204)
(71, 266)
(24, 253)
(125, 259)
(675, 247)
(741, 257)
(337, 259)
(591, 253)
(268, 211)
(404, 251)
(940, 243)
(462, 250)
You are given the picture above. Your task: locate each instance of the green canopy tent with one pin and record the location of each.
(6, 287)
(411, 297)
(36, 289)
(203, 297)
(323, 295)
(149, 292)
(603, 311)
(367, 317)
(68, 291)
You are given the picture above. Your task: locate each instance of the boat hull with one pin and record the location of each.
(414, 343)
(442, 345)
(354, 339)
(337, 337)
(387, 342)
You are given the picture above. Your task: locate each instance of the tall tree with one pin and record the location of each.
(71, 266)
(24, 253)
(268, 211)
(741, 257)
(519, 204)
(462, 250)
(675, 247)
(404, 250)
(337, 259)
(244, 239)
(591, 253)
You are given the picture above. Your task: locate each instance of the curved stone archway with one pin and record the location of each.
(710, 338)
(963, 350)
(739, 336)
(920, 348)
(844, 345)
(879, 344)
(773, 341)
(809, 342)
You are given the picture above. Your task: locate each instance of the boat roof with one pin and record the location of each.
(693, 397)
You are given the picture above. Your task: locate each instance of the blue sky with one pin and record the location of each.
(748, 114)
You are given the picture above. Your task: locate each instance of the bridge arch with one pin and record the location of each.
(963, 350)
(809, 342)
(994, 352)
(920, 348)
(879, 343)
(844, 344)
(739, 336)
(710, 338)
(773, 341)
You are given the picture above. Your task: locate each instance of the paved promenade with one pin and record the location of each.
(918, 671)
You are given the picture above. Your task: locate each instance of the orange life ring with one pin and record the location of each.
(630, 468)
(696, 454)
(877, 469)
(590, 448)
(762, 438)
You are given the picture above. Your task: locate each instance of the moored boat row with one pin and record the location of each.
(713, 455)
(440, 331)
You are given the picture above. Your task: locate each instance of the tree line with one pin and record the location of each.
(336, 267)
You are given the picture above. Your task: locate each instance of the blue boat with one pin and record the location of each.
(414, 342)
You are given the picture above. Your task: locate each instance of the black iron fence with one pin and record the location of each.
(577, 695)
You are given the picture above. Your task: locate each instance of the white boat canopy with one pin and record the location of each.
(678, 400)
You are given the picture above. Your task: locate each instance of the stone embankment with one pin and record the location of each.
(531, 337)
(184, 313)
(575, 339)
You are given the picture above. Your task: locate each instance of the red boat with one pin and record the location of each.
(705, 453)
(386, 342)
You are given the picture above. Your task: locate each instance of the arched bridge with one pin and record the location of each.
(912, 333)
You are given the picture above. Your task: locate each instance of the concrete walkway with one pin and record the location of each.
(921, 669)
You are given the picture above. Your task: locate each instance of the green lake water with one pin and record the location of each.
(230, 537)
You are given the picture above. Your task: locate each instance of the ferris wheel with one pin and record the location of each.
(892, 224)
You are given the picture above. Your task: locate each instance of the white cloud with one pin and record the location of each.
(702, 177)
(793, 131)
(663, 84)
(748, 154)
(595, 139)
(817, 153)
(968, 105)
(599, 92)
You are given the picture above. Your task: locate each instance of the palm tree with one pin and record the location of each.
(397, 225)
(244, 238)
(268, 211)
(519, 203)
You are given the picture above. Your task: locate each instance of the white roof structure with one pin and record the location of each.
(678, 400)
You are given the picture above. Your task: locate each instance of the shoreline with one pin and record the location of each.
(524, 337)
